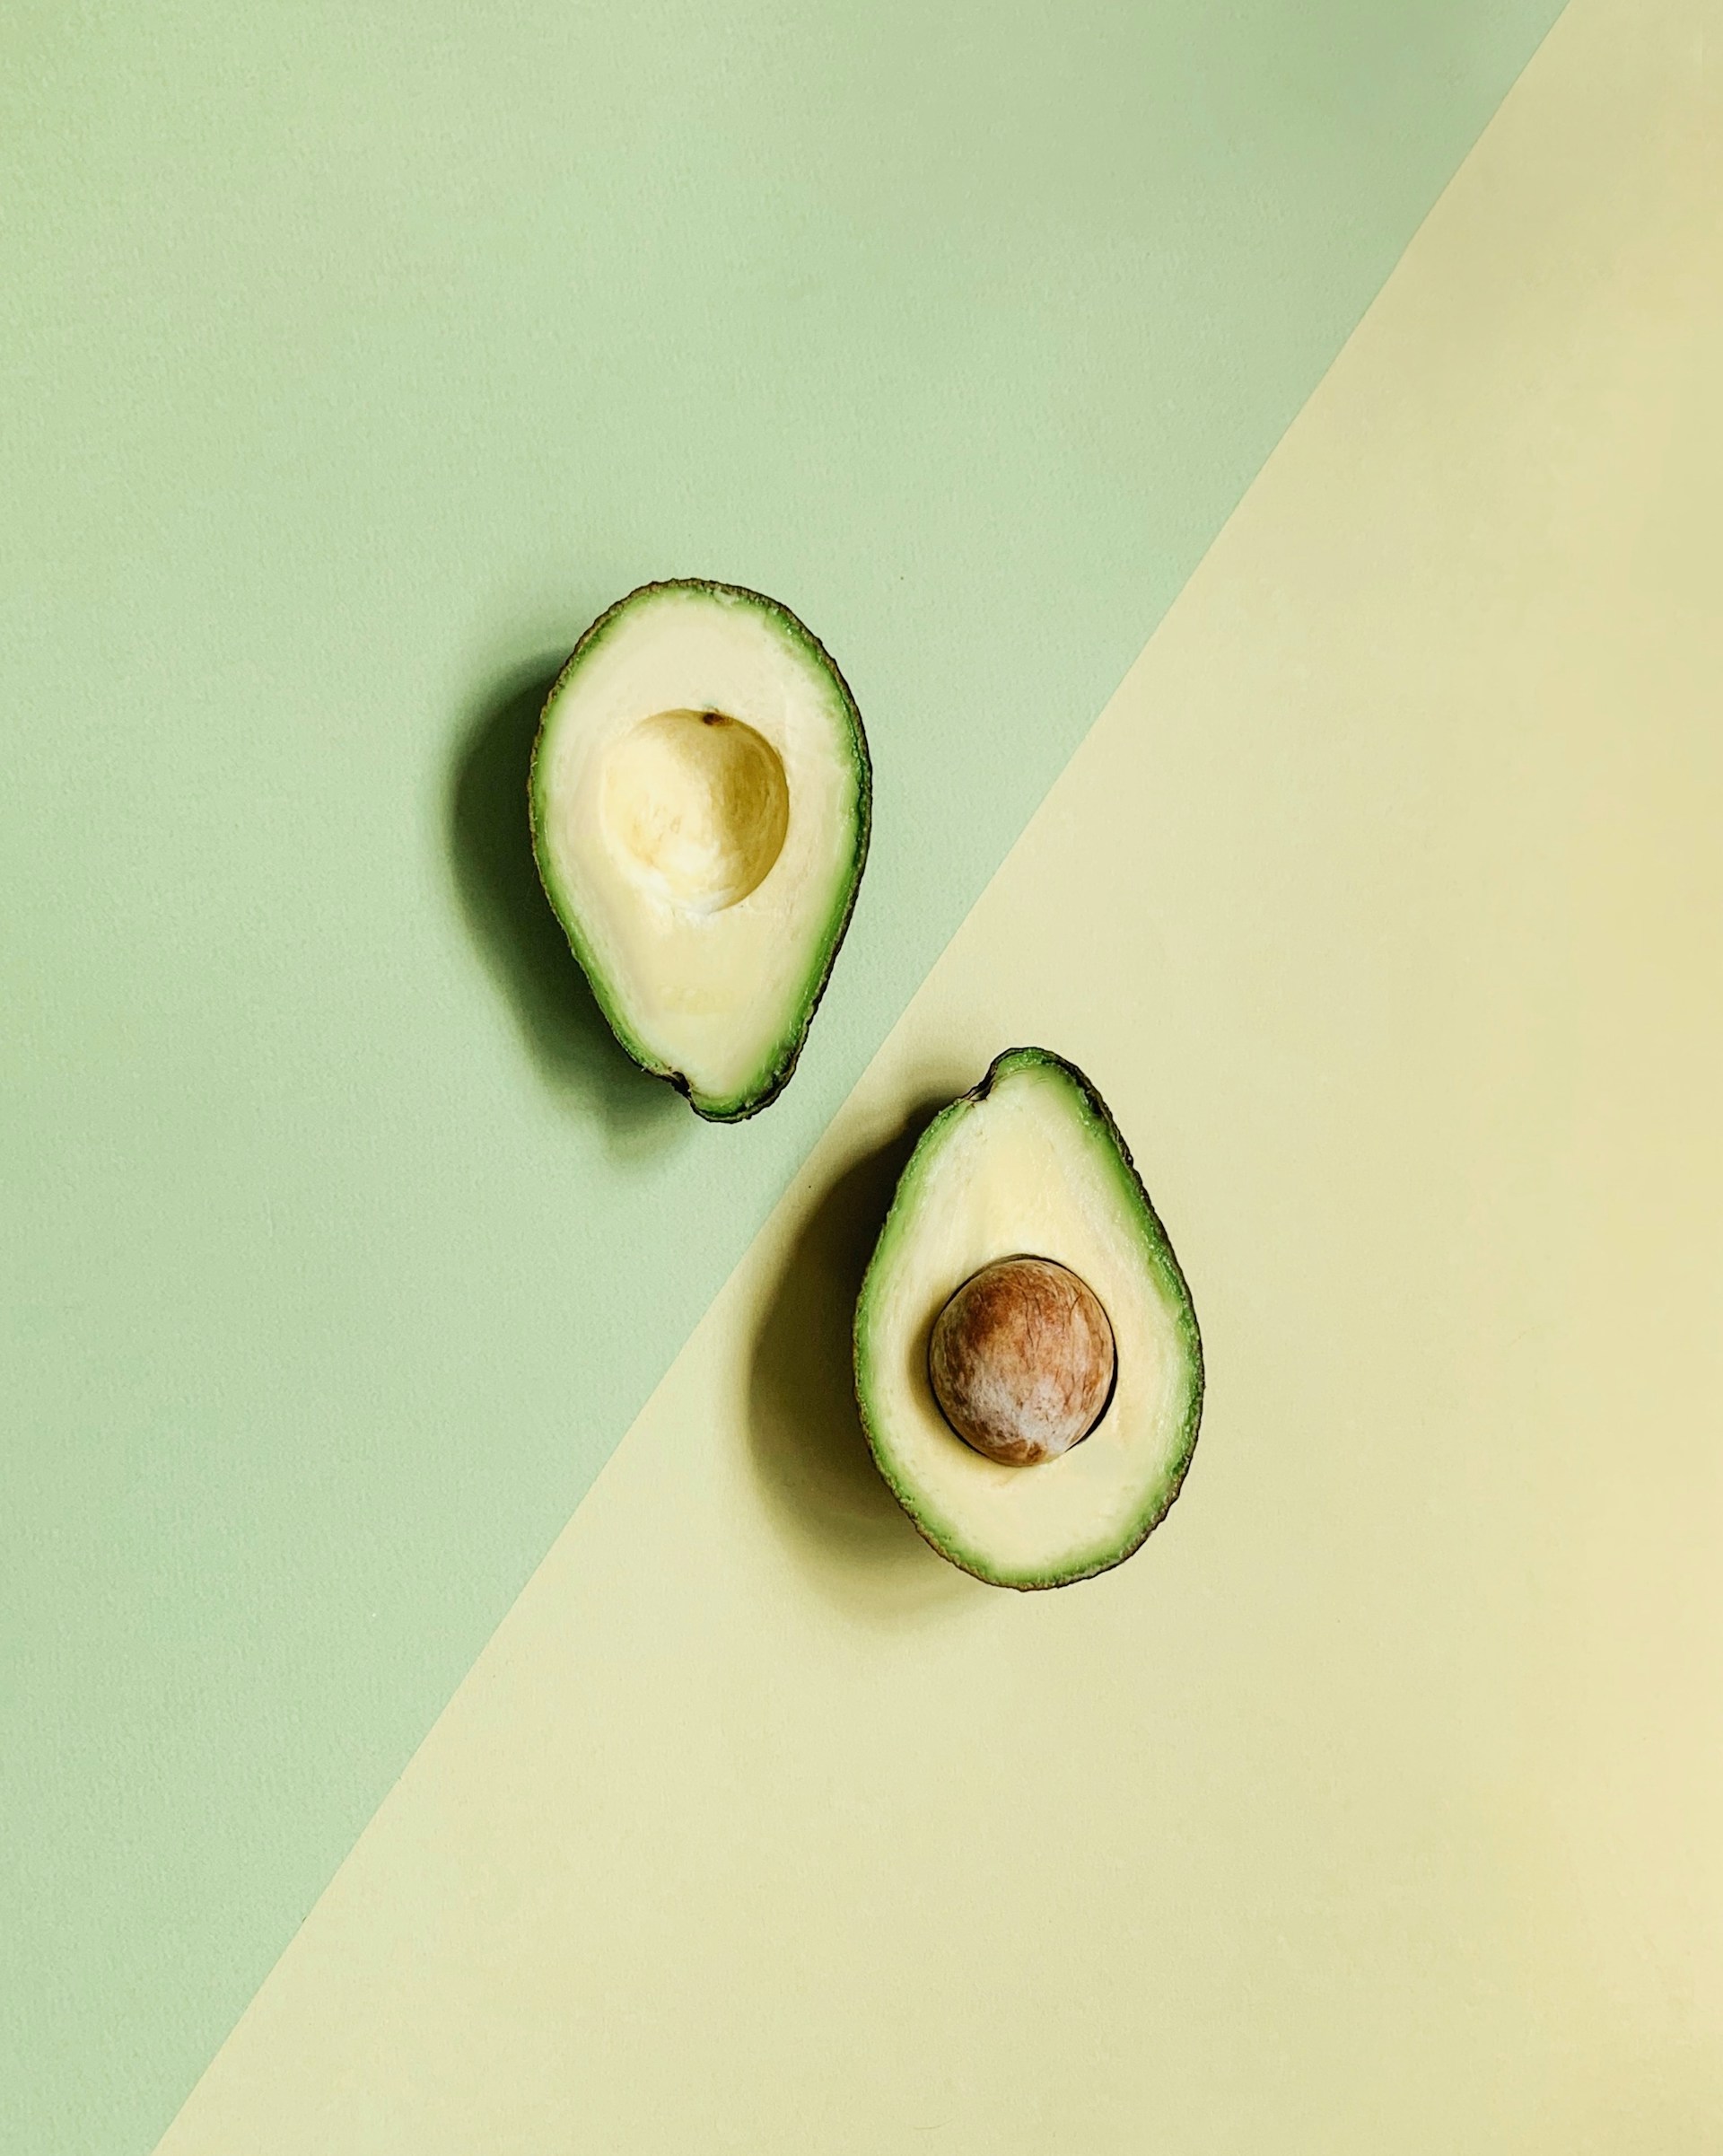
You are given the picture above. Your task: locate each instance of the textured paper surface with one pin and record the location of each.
(350, 360)
(1374, 1805)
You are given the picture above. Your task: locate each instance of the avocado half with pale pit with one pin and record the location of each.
(1027, 1361)
(701, 796)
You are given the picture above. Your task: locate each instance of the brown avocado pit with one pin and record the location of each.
(1021, 1361)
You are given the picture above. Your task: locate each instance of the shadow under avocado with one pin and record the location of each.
(519, 936)
(810, 1454)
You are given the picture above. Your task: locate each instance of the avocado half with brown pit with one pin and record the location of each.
(701, 797)
(1027, 1361)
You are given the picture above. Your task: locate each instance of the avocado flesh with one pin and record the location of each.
(1029, 1164)
(700, 798)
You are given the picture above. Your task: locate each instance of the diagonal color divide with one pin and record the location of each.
(350, 360)
(1374, 1805)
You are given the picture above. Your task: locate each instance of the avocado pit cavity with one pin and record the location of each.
(696, 805)
(1021, 1360)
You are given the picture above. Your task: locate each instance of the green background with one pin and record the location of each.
(350, 362)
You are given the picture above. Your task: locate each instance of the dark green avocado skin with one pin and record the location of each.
(784, 1069)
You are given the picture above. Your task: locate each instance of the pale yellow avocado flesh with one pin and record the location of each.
(1029, 1164)
(700, 807)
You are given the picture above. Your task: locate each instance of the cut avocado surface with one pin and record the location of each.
(1030, 1165)
(701, 796)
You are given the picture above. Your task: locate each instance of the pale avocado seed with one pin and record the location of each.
(1021, 1360)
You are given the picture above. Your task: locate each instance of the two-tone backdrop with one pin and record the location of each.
(1259, 470)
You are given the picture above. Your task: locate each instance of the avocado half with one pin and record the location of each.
(701, 797)
(1030, 1164)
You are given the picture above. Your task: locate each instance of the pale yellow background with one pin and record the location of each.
(1376, 1806)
